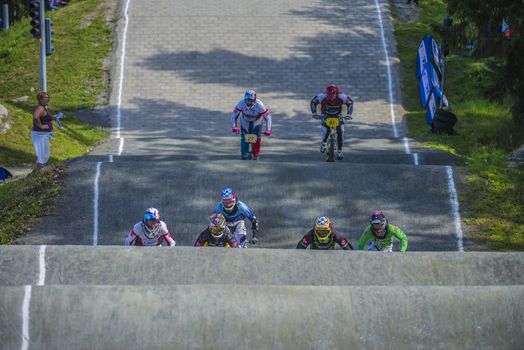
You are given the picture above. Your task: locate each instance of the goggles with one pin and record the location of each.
(228, 203)
(322, 233)
(152, 222)
(217, 229)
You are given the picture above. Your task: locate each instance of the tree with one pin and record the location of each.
(486, 16)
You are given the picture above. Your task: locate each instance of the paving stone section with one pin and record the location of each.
(188, 63)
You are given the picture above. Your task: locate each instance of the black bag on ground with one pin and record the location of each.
(4, 174)
(443, 121)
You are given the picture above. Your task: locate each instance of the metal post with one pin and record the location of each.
(43, 69)
(5, 17)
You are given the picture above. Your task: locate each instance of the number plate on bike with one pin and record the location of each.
(251, 138)
(332, 122)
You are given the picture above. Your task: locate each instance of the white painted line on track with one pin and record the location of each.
(415, 158)
(451, 182)
(95, 205)
(455, 208)
(25, 318)
(121, 146)
(390, 78)
(406, 145)
(408, 150)
(41, 258)
(122, 61)
(118, 123)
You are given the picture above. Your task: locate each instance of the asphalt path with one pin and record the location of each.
(177, 152)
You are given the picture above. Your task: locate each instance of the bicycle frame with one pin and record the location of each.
(332, 122)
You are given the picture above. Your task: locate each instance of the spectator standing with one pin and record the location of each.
(41, 132)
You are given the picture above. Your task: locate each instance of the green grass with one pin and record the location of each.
(25, 199)
(494, 197)
(75, 139)
(75, 69)
(75, 80)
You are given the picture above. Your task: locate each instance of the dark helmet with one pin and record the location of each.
(379, 224)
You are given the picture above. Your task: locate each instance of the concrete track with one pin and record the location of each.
(280, 317)
(209, 298)
(75, 265)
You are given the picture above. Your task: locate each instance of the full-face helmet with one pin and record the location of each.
(229, 199)
(217, 225)
(332, 92)
(250, 97)
(151, 222)
(379, 224)
(323, 228)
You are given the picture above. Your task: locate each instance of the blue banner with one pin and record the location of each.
(429, 73)
(428, 81)
(424, 87)
(422, 59)
(432, 108)
(428, 51)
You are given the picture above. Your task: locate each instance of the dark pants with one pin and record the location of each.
(340, 135)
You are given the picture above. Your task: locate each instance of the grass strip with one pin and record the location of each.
(494, 196)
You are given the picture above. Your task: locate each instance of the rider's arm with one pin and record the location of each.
(342, 241)
(248, 213)
(305, 241)
(348, 102)
(401, 236)
(313, 104)
(200, 240)
(168, 240)
(264, 112)
(365, 238)
(234, 115)
(131, 238)
(267, 118)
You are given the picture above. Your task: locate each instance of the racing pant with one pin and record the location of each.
(340, 134)
(373, 247)
(244, 146)
(239, 230)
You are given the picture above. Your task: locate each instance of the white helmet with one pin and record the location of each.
(151, 222)
(217, 225)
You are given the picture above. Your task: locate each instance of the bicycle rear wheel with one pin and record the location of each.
(331, 149)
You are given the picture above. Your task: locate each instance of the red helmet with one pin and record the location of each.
(332, 92)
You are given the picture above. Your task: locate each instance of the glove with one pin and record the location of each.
(254, 240)
(348, 117)
(315, 116)
(235, 130)
(57, 118)
(267, 132)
